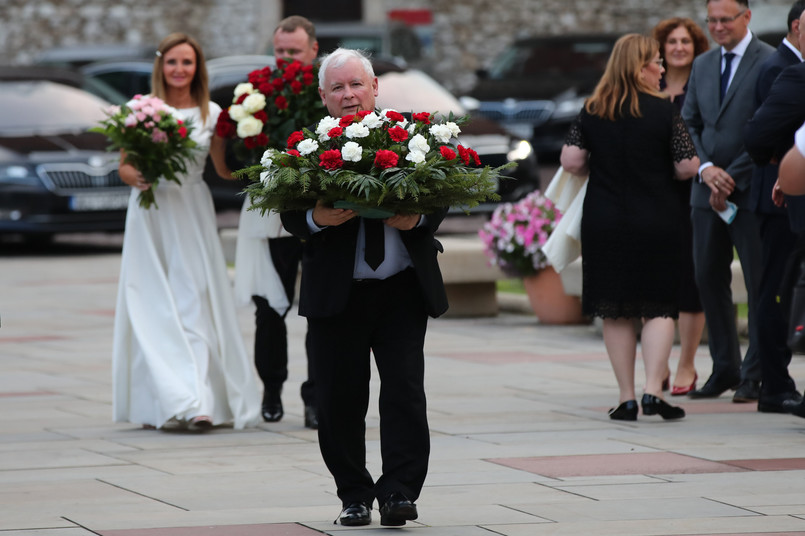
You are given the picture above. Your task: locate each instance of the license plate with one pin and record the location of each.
(90, 202)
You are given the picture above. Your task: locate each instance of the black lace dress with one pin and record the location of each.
(630, 233)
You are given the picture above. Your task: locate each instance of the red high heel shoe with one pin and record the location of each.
(679, 391)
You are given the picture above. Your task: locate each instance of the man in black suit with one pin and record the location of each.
(776, 234)
(719, 102)
(354, 306)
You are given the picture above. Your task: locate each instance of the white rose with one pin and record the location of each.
(352, 152)
(237, 112)
(242, 88)
(325, 126)
(254, 102)
(418, 143)
(249, 127)
(417, 157)
(442, 133)
(307, 146)
(372, 120)
(356, 130)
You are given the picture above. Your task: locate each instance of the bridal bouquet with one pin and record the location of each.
(153, 139)
(271, 105)
(376, 163)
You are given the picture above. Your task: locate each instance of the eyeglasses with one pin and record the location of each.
(723, 20)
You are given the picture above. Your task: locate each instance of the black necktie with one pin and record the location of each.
(375, 242)
(725, 76)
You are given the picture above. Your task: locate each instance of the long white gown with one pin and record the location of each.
(178, 351)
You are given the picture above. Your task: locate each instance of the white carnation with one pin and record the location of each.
(416, 157)
(254, 102)
(418, 143)
(266, 160)
(372, 120)
(307, 146)
(249, 127)
(442, 133)
(240, 89)
(356, 130)
(454, 129)
(238, 112)
(325, 126)
(352, 152)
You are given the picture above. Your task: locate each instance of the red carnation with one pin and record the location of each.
(346, 120)
(262, 139)
(385, 159)
(261, 115)
(266, 88)
(335, 132)
(296, 87)
(398, 134)
(241, 98)
(295, 138)
(224, 127)
(463, 152)
(250, 142)
(281, 102)
(423, 117)
(447, 152)
(363, 113)
(395, 116)
(331, 159)
(278, 84)
(293, 152)
(307, 78)
(475, 157)
(281, 63)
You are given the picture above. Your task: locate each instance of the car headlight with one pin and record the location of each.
(568, 108)
(16, 173)
(520, 150)
(469, 103)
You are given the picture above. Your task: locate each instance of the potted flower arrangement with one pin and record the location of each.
(513, 240)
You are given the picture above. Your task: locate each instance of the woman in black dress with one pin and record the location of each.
(633, 143)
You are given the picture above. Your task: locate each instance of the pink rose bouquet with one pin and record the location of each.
(153, 139)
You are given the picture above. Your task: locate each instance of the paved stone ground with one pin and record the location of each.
(521, 442)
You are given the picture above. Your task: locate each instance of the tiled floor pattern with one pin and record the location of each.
(278, 529)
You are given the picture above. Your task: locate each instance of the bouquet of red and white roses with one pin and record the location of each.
(371, 161)
(153, 139)
(271, 105)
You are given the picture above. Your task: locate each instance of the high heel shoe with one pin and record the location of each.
(679, 391)
(653, 405)
(627, 411)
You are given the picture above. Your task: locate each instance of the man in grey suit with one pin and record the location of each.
(719, 102)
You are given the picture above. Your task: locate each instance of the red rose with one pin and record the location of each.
(307, 69)
(335, 132)
(307, 78)
(262, 139)
(183, 132)
(293, 152)
(447, 152)
(225, 128)
(262, 116)
(423, 117)
(281, 102)
(296, 87)
(395, 116)
(241, 98)
(250, 142)
(295, 138)
(398, 134)
(266, 88)
(281, 63)
(385, 159)
(278, 84)
(346, 120)
(331, 159)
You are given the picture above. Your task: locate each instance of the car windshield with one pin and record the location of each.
(530, 59)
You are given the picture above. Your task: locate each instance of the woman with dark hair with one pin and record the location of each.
(681, 40)
(178, 359)
(633, 144)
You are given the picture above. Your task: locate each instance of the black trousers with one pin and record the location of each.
(387, 318)
(271, 335)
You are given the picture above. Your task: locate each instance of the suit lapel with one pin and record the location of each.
(747, 62)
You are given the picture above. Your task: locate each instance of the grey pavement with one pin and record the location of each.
(521, 443)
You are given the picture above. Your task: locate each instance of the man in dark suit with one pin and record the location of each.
(719, 102)
(776, 233)
(355, 305)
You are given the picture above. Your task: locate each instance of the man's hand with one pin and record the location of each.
(325, 216)
(777, 196)
(403, 222)
(718, 180)
(718, 201)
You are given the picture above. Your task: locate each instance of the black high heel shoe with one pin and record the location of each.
(627, 411)
(653, 405)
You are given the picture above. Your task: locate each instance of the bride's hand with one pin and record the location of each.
(131, 176)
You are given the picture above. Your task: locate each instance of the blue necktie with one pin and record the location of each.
(725, 76)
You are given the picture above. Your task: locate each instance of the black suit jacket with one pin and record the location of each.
(770, 132)
(328, 263)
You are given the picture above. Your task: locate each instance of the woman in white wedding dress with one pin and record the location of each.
(179, 360)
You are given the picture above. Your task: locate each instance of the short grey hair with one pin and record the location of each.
(339, 57)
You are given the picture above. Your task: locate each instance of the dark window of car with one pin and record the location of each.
(318, 10)
(542, 58)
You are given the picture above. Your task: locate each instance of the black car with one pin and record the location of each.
(54, 175)
(537, 86)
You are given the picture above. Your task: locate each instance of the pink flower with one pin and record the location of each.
(158, 136)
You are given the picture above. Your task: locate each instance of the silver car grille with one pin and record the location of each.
(71, 178)
(534, 112)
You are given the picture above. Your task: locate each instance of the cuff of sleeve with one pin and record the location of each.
(312, 224)
(799, 140)
(702, 168)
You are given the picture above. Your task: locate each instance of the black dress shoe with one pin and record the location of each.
(355, 514)
(748, 391)
(779, 403)
(272, 405)
(311, 419)
(715, 387)
(396, 510)
(627, 411)
(795, 408)
(653, 405)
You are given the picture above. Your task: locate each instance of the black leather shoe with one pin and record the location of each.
(779, 403)
(355, 514)
(715, 387)
(311, 419)
(396, 510)
(627, 411)
(795, 408)
(748, 391)
(272, 406)
(653, 405)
